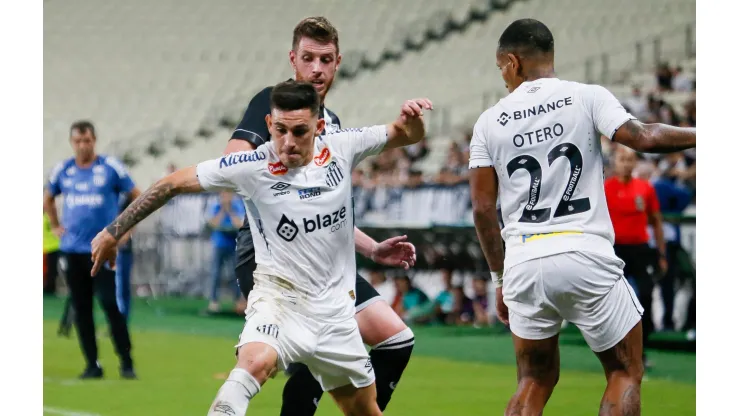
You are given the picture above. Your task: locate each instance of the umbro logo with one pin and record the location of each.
(392, 385)
(280, 187)
(503, 119)
(223, 407)
(533, 90)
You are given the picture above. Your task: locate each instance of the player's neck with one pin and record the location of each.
(536, 73)
(85, 163)
(625, 178)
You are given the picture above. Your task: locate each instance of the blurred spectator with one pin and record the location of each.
(480, 301)
(411, 304)
(51, 258)
(225, 217)
(464, 309)
(444, 303)
(664, 77)
(690, 110)
(637, 103)
(682, 81)
(417, 151)
(416, 179)
(385, 289)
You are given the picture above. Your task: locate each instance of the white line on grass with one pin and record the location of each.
(65, 412)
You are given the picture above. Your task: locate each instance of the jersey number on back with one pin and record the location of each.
(567, 205)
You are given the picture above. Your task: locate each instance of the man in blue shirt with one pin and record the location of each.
(91, 186)
(225, 217)
(124, 263)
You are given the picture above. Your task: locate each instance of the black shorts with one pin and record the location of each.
(366, 294)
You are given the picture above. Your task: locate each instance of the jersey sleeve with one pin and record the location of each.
(123, 181)
(236, 172)
(358, 144)
(53, 184)
(253, 127)
(480, 155)
(607, 112)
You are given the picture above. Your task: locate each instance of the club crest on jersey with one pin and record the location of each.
(98, 169)
(334, 174)
(322, 157)
(639, 203)
(352, 294)
(277, 168)
(270, 329)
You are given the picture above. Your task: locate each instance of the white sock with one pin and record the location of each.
(234, 396)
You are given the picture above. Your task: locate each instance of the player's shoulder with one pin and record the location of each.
(248, 159)
(334, 116)
(61, 168)
(112, 162)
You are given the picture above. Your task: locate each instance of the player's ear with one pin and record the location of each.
(268, 121)
(516, 64)
(292, 57)
(339, 60)
(320, 124)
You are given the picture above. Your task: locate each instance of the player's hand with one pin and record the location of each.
(663, 264)
(414, 109)
(104, 248)
(58, 231)
(502, 311)
(395, 252)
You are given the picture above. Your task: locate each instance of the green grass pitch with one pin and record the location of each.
(180, 356)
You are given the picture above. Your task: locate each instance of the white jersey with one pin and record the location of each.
(302, 219)
(544, 142)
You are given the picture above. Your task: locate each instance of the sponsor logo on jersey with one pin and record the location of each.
(538, 136)
(503, 119)
(277, 168)
(334, 174)
(236, 158)
(542, 108)
(82, 186)
(89, 200)
(322, 157)
(335, 221)
(99, 180)
(66, 182)
(287, 229)
(270, 329)
(98, 169)
(309, 193)
(281, 187)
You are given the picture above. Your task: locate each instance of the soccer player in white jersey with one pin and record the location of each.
(302, 306)
(538, 152)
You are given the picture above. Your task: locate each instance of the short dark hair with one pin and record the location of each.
(295, 95)
(83, 126)
(318, 28)
(527, 37)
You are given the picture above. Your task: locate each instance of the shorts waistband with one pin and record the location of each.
(532, 237)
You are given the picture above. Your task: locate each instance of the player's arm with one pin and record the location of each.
(613, 121)
(655, 137)
(52, 190)
(655, 219)
(409, 127)
(483, 195)
(252, 130)
(395, 251)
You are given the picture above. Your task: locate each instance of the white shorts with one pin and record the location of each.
(587, 289)
(334, 352)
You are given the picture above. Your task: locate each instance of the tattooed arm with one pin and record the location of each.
(483, 193)
(104, 244)
(656, 137)
(180, 182)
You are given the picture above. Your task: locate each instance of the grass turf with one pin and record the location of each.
(180, 357)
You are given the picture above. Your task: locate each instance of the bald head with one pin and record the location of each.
(625, 160)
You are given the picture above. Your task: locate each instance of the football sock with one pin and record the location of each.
(234, 396)
(301, 394)
(389, 359)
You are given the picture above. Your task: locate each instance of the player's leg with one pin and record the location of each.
(81, 292)
(123, 282)
(624, 369)
(603, 305)
(535, 325)
(390, 339)
(256, 362)
(105, 287)
(342, 366)
(216, 265)
(538, 371)
(356, 401)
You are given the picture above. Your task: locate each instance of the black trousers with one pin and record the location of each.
(82, 288)
(52, 272)
(640, 263)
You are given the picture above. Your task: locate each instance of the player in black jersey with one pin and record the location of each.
(315, 58)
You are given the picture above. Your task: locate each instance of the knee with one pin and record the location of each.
(260, 366)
